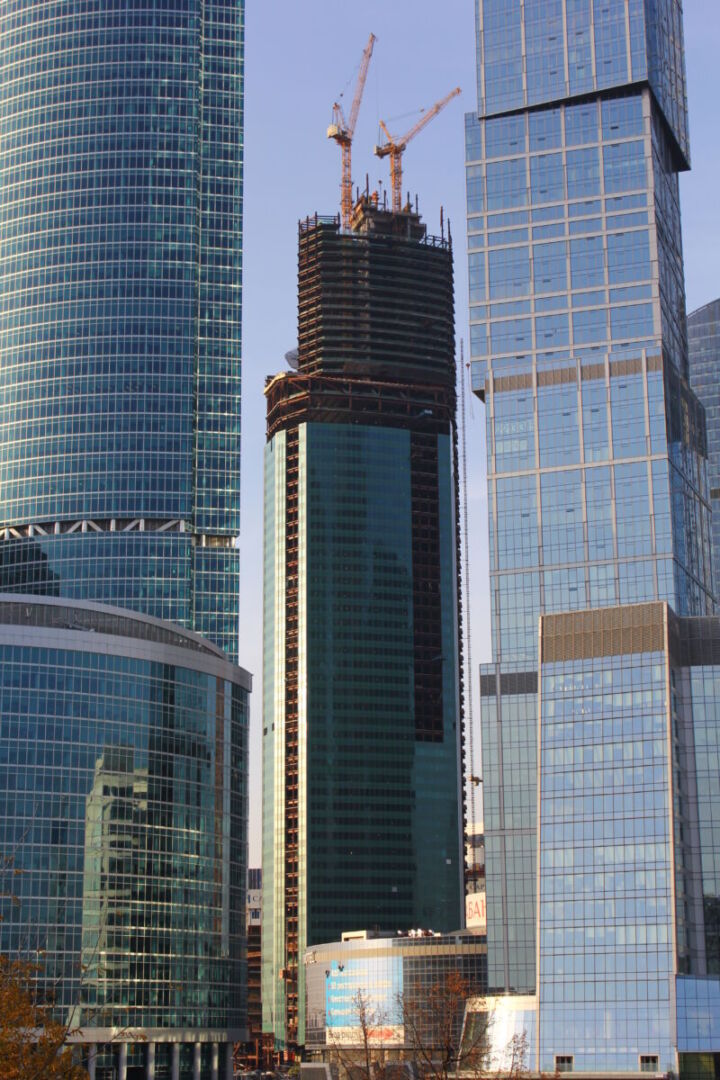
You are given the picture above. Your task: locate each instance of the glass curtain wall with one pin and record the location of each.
(121, 154)
(596, 446)
(704, 346)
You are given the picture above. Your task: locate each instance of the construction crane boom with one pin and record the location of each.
(394, 147)
(342, 131)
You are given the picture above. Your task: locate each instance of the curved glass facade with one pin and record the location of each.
(405, 983)
(123, 805)
(120, 260)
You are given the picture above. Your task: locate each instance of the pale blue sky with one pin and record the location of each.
(299, 57)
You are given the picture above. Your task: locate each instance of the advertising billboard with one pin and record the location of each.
(373, 985)
(475, 912)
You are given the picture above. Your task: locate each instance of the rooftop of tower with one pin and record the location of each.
(376, 299)
(371, 218)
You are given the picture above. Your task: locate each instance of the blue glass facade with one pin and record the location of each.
(607, 942)
(597, 483)
(123, 809)
(628, 975)
(120, 259)
(704, 349)
(545, 50)
(629, 842)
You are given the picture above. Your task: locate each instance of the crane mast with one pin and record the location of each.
(395, 146)
(342, 131)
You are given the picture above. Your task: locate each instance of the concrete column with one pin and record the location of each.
(175, 1067)
(122, 1063)
(228, 1061)
(92, 1060)
(197, 1062)
(150, 1062)
(214, 1061)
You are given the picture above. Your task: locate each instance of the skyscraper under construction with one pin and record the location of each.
(362, 740)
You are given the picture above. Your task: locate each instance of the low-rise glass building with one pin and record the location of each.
(376, 987)
(628, 887)
(123, 809)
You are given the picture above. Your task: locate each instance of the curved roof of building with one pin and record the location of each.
(709, 310)
(59, 613)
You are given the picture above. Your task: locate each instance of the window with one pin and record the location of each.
(550, 267)
(473, 138)
(475, 189)
(589, 326)
(505, 136)
(629, 257)
(545, 129)
(624, 166)
(563, 1063)
(507, 184)
(515, 446)
(587, 262)
(512, 335)
(562, 502)
(547, 178)
(581, 124)
(622, 117)
(583, 172)
(509, 272)
(649, 1063)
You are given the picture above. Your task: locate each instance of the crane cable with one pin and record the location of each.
(465, 577)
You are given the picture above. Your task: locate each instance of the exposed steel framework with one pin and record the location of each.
(378, 301)
(295, 398)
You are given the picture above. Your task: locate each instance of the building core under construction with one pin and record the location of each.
(362, 708)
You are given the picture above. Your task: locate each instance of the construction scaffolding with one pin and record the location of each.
(377, 300)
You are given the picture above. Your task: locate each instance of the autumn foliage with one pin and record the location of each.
(32, 1045)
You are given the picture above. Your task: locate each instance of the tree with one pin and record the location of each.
(429, 1036)
(33, 1046)
(363, 1058)
(433, 1020)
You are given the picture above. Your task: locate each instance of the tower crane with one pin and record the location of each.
(395, 146)
(342, 131)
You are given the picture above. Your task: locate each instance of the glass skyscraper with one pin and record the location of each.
(120, 257)
(362, 739)
(123, 738)
(704, 351)
(600, 709)
(597, 483)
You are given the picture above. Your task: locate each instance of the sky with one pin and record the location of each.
(299, 56)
